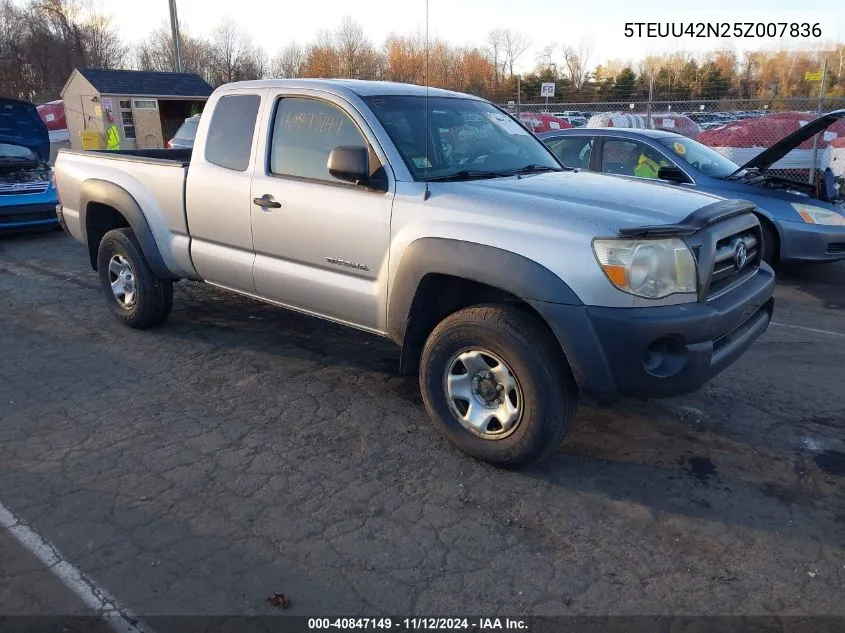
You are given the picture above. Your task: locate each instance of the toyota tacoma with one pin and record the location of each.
(511, 283)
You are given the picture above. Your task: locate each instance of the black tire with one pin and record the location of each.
(549, 393)
(153, 297)
(771, 244)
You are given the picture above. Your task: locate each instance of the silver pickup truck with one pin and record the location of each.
(511, 283)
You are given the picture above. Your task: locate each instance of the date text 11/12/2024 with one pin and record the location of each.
(419, 624)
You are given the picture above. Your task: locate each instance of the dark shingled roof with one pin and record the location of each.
(141, 82)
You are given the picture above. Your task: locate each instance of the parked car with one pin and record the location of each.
(27, 194)
(800, 222)
(510, 283)
(543, 121)
(184, 137)
(573, 120)
(670, 121)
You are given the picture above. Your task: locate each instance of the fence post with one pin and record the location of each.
(518, 93)
(650, 99)
(816, 137)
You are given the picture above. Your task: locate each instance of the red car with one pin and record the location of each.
(542, 122)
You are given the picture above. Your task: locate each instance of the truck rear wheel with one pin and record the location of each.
(493, 385)
(133, 292)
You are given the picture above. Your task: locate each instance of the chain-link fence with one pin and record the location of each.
(739, 129)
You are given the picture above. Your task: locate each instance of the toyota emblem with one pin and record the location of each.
(740, 256)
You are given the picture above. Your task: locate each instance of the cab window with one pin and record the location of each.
(229, 139)
(305, 131)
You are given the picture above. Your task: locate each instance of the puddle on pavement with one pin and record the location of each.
(831, 462)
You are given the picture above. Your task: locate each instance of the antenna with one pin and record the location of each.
(427, 193)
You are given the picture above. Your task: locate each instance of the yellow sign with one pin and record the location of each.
(98, 111)
(808, 76)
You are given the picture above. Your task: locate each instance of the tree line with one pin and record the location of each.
(42, 41)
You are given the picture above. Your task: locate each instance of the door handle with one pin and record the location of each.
(266, 202)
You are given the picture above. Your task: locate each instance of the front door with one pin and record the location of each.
(321, 245)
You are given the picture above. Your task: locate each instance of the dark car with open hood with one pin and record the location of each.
(28, 196)
(800, 221)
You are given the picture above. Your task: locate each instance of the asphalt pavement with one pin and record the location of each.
(242, 451)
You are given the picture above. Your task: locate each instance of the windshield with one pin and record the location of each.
(188, 129)
(704, 159)
(16, 152)
(465, 138)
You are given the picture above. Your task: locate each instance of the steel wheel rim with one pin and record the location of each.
(122, 281)
(483, 393)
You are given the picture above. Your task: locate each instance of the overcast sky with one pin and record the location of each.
(273, 23)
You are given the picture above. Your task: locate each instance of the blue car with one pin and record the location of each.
(801, 222)
(28, 196)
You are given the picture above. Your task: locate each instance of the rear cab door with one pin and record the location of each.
(321, 244)
(217, 194)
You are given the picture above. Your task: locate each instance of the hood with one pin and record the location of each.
(769, 157)
(21, 125)
(610, 202)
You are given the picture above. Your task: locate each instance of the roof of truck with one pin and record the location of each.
(359, 87)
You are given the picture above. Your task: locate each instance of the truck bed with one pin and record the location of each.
(154, 179)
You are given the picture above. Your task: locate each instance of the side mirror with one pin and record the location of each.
(350, 164)
(672, 174)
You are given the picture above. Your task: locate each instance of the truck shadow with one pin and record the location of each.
(635, 452)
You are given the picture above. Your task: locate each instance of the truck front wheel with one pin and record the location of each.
(494, 385)
(133, 292)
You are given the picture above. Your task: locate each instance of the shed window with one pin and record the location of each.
(127, 120)
(146, 104)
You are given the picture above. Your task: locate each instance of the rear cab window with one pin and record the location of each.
(228, 141)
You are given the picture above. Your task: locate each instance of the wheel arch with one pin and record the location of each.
(438, 276)
(104, 206)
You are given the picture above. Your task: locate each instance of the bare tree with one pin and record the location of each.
(156, 52)
(496, 47)
(355, 52)
(840, 58)
(103, 48)
(288, 62)
(546, 58)
(577, 60)
(515, 45)
(232, 54)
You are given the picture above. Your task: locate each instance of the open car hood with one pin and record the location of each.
(21, 125)
(769, 157)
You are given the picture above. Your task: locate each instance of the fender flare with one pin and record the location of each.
(505, 270)
(115, 196)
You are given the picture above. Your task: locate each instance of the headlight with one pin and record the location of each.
(818, 215)
(648, 268)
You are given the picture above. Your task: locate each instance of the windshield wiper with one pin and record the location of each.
(535, 168)
(468, 174)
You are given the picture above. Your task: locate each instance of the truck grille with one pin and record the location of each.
(732, 263)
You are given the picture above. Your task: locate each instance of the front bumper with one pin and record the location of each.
(661, 351)
(802, 242)
(24, 216)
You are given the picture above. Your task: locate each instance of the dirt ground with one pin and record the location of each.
(242, 450)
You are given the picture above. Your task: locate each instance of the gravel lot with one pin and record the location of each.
(243, 450)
